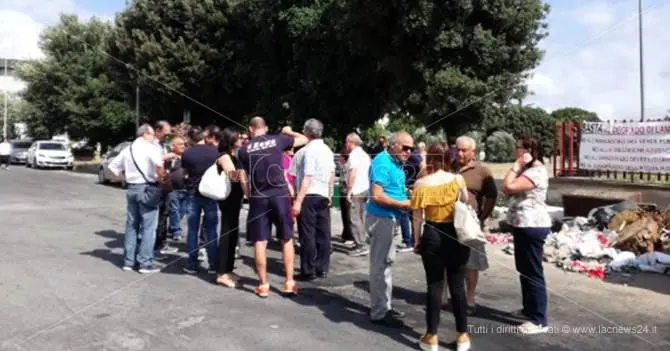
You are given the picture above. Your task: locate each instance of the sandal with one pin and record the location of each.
(226, 281)
(290, 288)
(263, 291)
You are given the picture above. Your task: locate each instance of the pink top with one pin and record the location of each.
(286, 164)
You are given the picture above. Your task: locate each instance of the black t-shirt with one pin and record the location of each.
(195, 161)
(262, 160)
(412, 167)
(236, 193)
(176, 173)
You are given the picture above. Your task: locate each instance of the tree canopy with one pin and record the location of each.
(574, 114)
(451, 66)
(70, 91)
(345, 62)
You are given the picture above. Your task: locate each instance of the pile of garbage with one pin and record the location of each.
(624, 237)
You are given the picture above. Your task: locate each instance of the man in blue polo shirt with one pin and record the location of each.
(388, 197)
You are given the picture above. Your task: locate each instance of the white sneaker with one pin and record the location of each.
(149, 270)
(531, 328)
(463, 346)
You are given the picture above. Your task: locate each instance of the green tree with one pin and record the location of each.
(449, 58)
(566, 114)
(500, 147)
(347, 63)
(70, 89)
(179, 55)
(525, 120)
(16, 113)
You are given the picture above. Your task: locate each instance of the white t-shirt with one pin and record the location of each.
(5, 149)
(317, 161)
(148, 157)
(360, 161)
(529, 209)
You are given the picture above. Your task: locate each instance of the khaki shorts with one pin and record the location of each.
(477, 260)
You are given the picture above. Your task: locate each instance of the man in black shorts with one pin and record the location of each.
(269, 197)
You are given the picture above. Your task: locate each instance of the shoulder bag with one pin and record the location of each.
(466, 222)
(153, 193)
(213, 185)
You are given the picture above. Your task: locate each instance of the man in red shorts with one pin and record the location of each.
(269, 201)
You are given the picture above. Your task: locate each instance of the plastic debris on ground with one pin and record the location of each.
(624, 237)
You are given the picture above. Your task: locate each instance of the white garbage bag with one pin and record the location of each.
(622, 260)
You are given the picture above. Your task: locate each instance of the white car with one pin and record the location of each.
(105, 175)
(49, 154)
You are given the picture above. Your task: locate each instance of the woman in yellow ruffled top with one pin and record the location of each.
(433, 200)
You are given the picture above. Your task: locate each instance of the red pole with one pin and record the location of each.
(571, 146)
(562, 147)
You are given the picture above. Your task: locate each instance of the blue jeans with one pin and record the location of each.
(405, 229)
(179, 207)
(528, 256)
(199, 204)
(141, 220)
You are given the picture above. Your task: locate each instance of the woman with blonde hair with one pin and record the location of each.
(433, 200)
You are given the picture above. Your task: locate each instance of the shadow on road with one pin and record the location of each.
(339, 309)
(115, 242)
(411, 297)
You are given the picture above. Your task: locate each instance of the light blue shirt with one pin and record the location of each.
(388, 174)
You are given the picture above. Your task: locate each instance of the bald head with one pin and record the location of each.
(257, 126)
(257, 122)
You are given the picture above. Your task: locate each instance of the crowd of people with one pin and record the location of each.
(400, 198)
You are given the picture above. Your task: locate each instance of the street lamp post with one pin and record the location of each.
(639, 16)
(137, 106)
(4, 128)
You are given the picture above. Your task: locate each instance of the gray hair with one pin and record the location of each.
(394, 136)
(313, 128)
(177, 137)
(468, 140)
(144, 129)
(355, 138)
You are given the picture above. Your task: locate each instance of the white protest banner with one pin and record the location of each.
(625, 147)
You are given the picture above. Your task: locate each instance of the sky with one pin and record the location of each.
(591, 55)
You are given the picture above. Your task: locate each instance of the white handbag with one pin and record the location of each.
(213, 185)
(466, 222)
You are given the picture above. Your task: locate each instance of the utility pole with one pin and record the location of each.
(639, 17)
(4, 129)
(137, 106)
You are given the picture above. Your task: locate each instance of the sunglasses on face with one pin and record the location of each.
(407, 148)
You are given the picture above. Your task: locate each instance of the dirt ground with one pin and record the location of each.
(499, 170)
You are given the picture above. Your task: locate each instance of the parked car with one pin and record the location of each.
(105, 175)
(49, 154)
(20, 150)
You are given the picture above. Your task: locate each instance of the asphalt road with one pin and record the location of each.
(61, 289)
